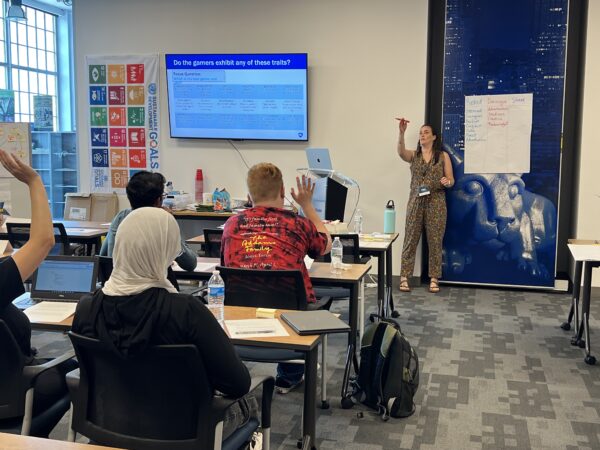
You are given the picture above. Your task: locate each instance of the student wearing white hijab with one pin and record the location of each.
(138, 307)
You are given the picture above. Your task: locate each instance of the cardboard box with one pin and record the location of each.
(91, 207)
(78, 206)
(104, 207)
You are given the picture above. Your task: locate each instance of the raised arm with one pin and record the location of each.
(304, 198)
(41, 238)
(403, 152)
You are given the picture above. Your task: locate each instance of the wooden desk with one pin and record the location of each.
(309, 345)
(204, 215)
(18, 442)
(586, 254)
(381, 248)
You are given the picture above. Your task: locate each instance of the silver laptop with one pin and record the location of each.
(319, 161)
(61, 279)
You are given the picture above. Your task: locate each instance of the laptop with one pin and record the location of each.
(61, 279)
(319, 161)
(314, 322)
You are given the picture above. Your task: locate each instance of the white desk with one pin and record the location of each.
(587, 256)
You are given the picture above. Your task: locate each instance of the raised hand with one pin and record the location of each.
(402, 124)
(305, 191)
(18, 168)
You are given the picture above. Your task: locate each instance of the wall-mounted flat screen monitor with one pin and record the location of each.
(238, 96)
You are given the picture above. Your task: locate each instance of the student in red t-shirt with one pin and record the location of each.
(270, 237)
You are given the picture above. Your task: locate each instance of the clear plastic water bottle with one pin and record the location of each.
(216, 296)
(358, 222)
(337, 251)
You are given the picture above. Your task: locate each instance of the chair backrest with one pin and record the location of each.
(212, 242)
(105, 267)
(12, 361)
(18, 235)
(160, 399)
(351, 248)
(279, 289)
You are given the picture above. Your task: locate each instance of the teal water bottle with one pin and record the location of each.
(389, 218)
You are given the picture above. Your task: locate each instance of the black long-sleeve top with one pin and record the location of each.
(154, 317)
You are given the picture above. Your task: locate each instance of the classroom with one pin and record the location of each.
(505, 360)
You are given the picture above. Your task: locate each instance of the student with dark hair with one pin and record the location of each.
(51, 385)
(146, 189)
(431, 171)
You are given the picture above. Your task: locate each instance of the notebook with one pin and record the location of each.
(319, 161)
(61, 279)
(314, 322)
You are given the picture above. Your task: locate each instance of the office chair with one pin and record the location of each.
(212, 242)
(105, 268)
(278, 289)
(18, 235)
(17, 390)
(161, 399)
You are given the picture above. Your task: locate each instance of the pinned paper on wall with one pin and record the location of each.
(498, 133)
(15, 138)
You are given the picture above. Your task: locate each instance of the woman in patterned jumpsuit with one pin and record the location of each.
(431, 173)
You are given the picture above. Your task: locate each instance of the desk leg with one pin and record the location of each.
(577, 339)
(351, 358)
(575, 300)
(585, 309)
(310, 399)
(389, 298)
(381, 287)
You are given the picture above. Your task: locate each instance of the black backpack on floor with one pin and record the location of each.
(388, 377)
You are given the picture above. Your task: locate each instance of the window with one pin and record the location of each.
(28, 60)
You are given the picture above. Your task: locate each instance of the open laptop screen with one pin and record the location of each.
(69, 275)
(319, 161)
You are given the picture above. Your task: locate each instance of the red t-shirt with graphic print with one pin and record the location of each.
(272, 238)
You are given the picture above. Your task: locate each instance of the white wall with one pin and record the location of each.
(367, 65)
(588, 218)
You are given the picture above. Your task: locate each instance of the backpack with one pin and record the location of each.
(388, 375)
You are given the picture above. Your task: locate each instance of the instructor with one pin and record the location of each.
(431, 173)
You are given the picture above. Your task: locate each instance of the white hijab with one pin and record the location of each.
(146, 243)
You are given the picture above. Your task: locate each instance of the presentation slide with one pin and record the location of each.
(238, 96)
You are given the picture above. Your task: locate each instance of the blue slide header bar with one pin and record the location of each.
(228, 61)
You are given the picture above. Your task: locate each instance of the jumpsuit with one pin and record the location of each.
(428, 211)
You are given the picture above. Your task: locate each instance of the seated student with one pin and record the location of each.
(292, 237)
(146, 189)
(51, 385)
(138, 307)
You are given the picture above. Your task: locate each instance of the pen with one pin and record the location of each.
(255, 331)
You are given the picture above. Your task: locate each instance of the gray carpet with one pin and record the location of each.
(496, 372)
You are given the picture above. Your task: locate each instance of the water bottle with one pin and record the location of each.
(337, 251)
(389, 218)
(199, 186)
(216, 296)
(358, 222)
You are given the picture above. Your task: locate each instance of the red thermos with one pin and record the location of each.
(199, 186)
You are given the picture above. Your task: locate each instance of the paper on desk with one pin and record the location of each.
(308, 262)
(50, 312)
(255, 328)
(200, 267)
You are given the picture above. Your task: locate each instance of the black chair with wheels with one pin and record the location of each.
(18, 235)
(212, 242)
(278, 289)
(160, 399)
(17, 391)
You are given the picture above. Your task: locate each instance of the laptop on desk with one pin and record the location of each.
(319, 161)
(61, 279)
